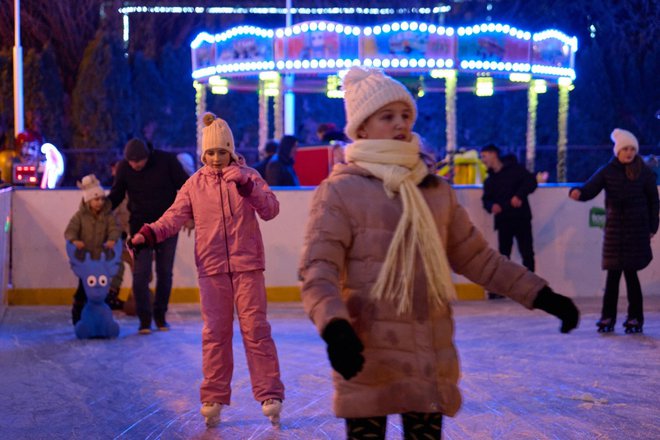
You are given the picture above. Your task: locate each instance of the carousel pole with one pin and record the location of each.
(450, 77)
(279, 122)
(200, 109)
(289, 96)
(450, 117)
(562, 125)
(263, 116)
(18, 71)
(532, 104)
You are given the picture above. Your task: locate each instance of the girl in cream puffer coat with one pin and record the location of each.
(382, 239)
(224, 198)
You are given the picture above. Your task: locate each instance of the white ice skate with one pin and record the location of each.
(272, 409)
(211, 412)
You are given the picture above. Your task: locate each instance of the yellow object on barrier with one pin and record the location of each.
(7, 159)
(468, 168)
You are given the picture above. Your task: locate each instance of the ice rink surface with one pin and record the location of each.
(521, 378)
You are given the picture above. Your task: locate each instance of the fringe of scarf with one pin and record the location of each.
(399, 166)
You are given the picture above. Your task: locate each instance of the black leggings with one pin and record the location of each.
(633, 289)
(415, 426)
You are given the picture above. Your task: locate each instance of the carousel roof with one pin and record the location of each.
(320, 48)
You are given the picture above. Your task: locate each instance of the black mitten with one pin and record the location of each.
(344, 348)
(560, 306)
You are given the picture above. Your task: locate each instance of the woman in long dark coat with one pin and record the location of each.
(631, 203)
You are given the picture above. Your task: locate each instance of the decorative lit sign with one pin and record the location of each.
(333, 89)
(520, 77)
(408, 40)
(324, 47)
(484, 86)
(493, 47)
(54, 167)
(540, 86)
(219, 85)
(553, 55)
(25, 174)
(314, 41)
(203, 52)
(270, 82)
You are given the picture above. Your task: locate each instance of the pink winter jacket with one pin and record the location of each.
(411, 363)
(227, 235)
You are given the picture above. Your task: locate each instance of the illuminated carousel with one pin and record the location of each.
(311, 57)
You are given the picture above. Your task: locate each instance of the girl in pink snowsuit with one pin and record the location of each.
(222, 198)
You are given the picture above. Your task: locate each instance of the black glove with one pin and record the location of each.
(560, 306)
(344, 348)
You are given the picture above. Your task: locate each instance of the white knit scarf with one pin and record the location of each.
(399, 166)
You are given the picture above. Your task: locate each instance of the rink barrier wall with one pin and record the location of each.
(568, 251)
(5, 239)
(55, 297)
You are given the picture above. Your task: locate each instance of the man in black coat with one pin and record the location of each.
(151, 179)
(505, 196)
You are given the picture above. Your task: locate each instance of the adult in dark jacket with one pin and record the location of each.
(270, 149)
(151, 179)
(328, 133)
(631, 219)
(279, 171)
(505, 195)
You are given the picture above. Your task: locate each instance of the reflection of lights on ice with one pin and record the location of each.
(54, 167)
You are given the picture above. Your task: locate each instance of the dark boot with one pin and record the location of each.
(129, 305)
(113, 300)
(145, 325)
(79, 300)
(76, 311)
(161, 323)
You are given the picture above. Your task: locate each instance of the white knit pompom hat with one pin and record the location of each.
(217, 134)
(623, 138)
(91, 187)
(366, 91)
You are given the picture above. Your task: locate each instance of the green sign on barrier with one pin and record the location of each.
(597, 217)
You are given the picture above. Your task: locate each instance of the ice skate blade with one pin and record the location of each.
(605, 329)
(211, 414)
(272, 409)
(275, 421)
(212, 422)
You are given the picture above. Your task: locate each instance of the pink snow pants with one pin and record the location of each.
(218, 295)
